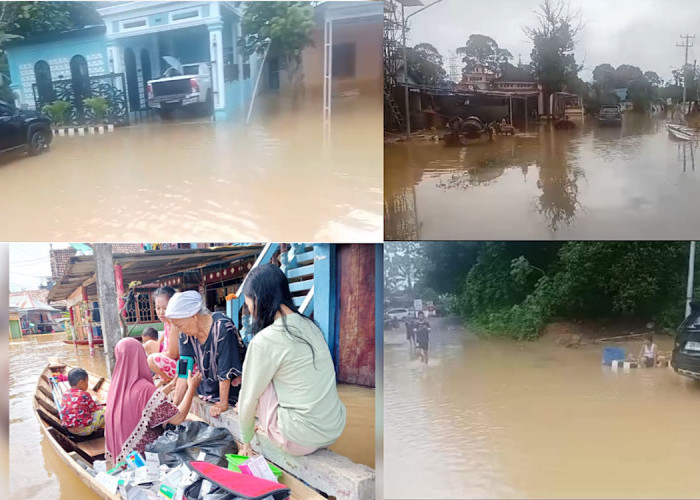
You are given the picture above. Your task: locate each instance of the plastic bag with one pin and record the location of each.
(186, 441)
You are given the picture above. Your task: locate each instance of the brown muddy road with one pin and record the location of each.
(505, 419)
(594, 182)
(197, 180)
(36, 471)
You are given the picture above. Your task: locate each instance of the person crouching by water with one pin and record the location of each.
(79, 412)
(288, 374)
(214, 343)
(648, 353)
(422, 328)
(137, 411)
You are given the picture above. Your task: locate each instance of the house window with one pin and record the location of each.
(344, 60)
(182, 15)
(44, 87)
(140, 310)
(134, 24)
(145, 310)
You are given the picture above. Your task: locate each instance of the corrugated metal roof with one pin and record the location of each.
(147, 267)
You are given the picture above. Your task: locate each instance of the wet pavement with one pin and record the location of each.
(594, 182)
(194, 180)
(506, 419)
(37, 472)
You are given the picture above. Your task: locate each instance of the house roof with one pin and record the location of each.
(146, 267)
(57, 35)
(26, 302)
(510, 73)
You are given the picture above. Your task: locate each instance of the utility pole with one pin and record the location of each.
(107, 293)
(687, 44)
(691, 276)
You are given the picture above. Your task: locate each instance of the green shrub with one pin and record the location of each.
(57, 111)
(99, 107)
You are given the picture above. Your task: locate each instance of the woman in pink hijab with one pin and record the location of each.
(136, 410)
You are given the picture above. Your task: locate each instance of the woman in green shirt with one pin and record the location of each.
(288, 376)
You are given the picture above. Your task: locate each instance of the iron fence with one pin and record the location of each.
(111, 87)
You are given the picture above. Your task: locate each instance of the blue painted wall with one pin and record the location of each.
(21, 60)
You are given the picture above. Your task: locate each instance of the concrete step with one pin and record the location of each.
(324, 470)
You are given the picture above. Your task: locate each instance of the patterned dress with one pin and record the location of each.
(157, 412)
(219, 358)
(166, 364)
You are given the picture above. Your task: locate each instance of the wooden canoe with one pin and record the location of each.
(74, 450)
(681, 132)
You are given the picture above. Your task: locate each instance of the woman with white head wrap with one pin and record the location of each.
(214, 343)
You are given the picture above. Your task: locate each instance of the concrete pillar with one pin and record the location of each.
(119, 279)
(86, 318)
(107, 292)
(216, 51)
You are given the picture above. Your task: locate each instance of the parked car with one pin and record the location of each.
(398, 313)
(24, 129)
(686, 351)
(182, 86)
(610, 115)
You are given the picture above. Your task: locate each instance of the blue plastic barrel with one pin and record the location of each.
(611, 354)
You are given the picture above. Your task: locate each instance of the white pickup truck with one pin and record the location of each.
(181, 86)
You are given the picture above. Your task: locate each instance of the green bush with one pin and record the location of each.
(99, 107)
(57, 111)
(508, 296)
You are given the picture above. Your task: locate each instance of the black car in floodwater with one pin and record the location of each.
(23, 129)
(686, 350)
(610, 115)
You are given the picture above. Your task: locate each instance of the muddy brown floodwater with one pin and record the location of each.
(505, 419)
(36, 471)
(198, 180)
(590, 183)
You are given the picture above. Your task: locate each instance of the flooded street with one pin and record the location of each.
(505, 419)
(589, 183)
(37, 472)
(197, 180)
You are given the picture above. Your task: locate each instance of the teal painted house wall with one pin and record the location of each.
(22, 58)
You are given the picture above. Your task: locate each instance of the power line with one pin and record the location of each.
(687, 44)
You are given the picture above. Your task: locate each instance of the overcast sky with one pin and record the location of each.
(642, 33)
(29, 263)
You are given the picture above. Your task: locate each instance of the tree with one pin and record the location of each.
(403, 265)
(554, 41)
(653, 78)
(285, 26)
(482, 50)
(425, 64)
(27, 19)
(603, 76)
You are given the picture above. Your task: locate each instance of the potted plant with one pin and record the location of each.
(57, 112)
(99, 106)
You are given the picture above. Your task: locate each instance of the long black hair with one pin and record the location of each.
(268, 288)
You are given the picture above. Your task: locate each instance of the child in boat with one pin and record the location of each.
(648, 352)
(149, 337)
(79, 412)
(422, 328)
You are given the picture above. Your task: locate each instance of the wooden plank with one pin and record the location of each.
(306, 257)
(94, 447)
(298, 301)
(298, 272)
(300, 286)
(98, 385)
(356, 351)
(45, 392)
(69, 445)
(46, 406)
